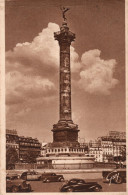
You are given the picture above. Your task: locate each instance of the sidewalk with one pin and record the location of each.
(59, 171)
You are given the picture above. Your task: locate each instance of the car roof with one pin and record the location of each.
(30, 172)
(76, 179)
(11, 174)
(48, 173)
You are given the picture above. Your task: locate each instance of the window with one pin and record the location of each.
(81, 182)
(72, 182)
(53, 174)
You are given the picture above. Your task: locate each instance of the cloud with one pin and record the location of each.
(40, 57)
(32, 69)
(21, 88)
(96, 75)
(32, 72)
(75, 63)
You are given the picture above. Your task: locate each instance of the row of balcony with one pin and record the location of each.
(29, 144)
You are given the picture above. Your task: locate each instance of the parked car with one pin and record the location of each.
(51, 177)
(79, 185)
(13, 176)
(117, 176)
(31, 176)
(15, 184)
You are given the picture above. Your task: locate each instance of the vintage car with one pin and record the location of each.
(15, 184)
(13, 176)
(31, 176)
(117, 176)
(51, 177)
(79, 185)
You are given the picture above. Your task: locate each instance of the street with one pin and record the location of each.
(89, 176)
(39, 186)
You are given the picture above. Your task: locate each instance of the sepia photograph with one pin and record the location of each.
(65, 96)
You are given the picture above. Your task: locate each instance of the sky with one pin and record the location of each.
(97, 66)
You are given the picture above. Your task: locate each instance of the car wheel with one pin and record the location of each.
(61, 179)
(47, 180)
(118, 180)
(15, 189)
(44, 180)
(97, 189)
(70, 190)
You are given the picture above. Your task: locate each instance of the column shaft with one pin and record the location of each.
(65, 82)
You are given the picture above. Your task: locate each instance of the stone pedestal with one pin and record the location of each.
(65, 130)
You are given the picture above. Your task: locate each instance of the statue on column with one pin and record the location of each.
(64, 10)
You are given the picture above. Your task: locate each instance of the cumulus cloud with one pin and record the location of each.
(22, 88)
(96, 75)
(39, 57)
(32, 68)
(32, 71)
(75, 63)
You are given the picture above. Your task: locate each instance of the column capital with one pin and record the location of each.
(64, 35)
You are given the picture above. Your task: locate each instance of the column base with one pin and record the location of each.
(65, 131)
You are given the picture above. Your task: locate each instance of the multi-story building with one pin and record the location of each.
(12, 140)
(117, 134)
(43, 149)
(96, 150)
(112, 145)
(22, 144)
(123, 135)
(28, 144)
(118, 146)
(105, 148)
(97, 153)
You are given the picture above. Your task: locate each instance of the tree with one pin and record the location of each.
(30, 156)
(11, 157)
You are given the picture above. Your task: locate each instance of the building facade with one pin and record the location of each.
(12, 140)
(117, 134)
(28, 144)
(105, 148)
(22, 144)
(96, 150)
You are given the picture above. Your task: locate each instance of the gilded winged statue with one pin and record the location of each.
(64, 10)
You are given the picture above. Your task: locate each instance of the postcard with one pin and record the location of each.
(63, 100)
